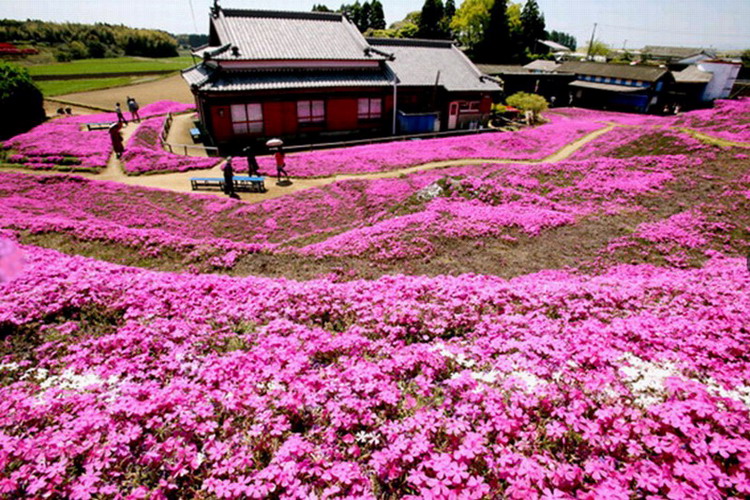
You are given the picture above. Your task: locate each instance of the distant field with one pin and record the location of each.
(51, 88)
(123, 65)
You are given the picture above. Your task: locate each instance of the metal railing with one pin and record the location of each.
(182, 148)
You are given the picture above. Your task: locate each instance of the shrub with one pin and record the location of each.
(21, 102)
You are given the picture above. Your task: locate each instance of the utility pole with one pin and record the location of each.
(591, 43)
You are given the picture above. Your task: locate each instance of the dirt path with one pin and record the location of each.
(171, 88)
(710, 139)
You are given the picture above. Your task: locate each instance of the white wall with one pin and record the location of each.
(720, 86)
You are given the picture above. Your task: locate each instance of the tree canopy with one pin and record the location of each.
(21, 102)
(78, 41)
(532, 25)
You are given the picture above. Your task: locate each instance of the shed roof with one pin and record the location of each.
(624, 71)
(503, 69)
(555, 46)
(675, 52)
(420, 63)
(542, 65)
(276, 35)
(211, 80)
(625, 89)
(692, 74)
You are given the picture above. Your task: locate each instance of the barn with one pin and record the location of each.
(312, 77)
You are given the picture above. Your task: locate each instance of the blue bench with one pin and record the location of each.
(208, 183)
(251, 184)
(195, 133)
(241, 183)
(99, 126)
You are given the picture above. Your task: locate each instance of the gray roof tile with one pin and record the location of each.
(284, 79)
(625, 71)
(417, 63)
(275, 35)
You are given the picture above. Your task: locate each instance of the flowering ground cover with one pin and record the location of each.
(527, 144)
(144, 154)
(65, 144)
(117, 381)
(728, 120)
(626, 142)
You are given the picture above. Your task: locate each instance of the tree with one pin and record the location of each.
(21, 102)
(531, 103)
(597, 48)
(430, 20)
(495, 45)
(320, 8)
(746, 58)
(377, 16)
(532, 22)
(470, 22)
(563, 39)
(448, 12)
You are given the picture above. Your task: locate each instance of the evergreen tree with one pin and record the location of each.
(448, 13)
(564, 39)
(430, 20)
(377, 16)
(495, 45)
(21, 102)
(320, 8)
(364, 17)
(532, 21)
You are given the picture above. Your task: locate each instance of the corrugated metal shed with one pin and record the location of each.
(418, 62)
(623, 71)
(236, 81)
(274, 35)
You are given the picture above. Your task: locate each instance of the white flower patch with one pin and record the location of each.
(646, 379)
(370, 438)
(531, 380)
(740, 393)
(71, 380)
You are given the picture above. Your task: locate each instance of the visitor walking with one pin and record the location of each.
(120, 116)
(252, 163)
(116, 136)
(229, 179)
(280, 165)
(134, 107)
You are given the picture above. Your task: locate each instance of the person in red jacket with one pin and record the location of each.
(280, 165)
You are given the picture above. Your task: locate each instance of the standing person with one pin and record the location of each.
(120, 116)
(134, 107)
(116, 137)
(280, 165)
(229, 179)
(252, 163)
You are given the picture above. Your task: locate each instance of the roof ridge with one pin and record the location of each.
(283, 14)
(411, 42)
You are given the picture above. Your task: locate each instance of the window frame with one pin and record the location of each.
(252, 126)
(370, 114)
(311, 119)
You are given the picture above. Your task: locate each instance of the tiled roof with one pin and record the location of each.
(692, 74)
(624, 71)
(418, 62)
(606, 86)
(675, 52)
(273, 35)
(503, 69)
(209, 80)
(542, 65)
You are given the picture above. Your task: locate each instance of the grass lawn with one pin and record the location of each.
(51, 88)
(123, 65)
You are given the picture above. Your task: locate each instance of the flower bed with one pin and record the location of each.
(144, 154)
(728, 120)
(116, 381)
(64, 144)
(527, 144)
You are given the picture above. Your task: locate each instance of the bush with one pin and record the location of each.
(526, 102)
(21, 102)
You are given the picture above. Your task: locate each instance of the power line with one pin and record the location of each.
(647, 30)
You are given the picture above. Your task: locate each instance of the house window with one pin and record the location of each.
(247, 118)
(311, 112)
(369, 109)
(469, 106)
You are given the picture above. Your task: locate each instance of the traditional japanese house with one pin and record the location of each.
(311, 76)
(617, 86)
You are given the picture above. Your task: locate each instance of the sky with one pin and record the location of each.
(723, 24)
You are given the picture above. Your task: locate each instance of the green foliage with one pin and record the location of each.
(431, 24)
(320, 8)
(494, 46)
(470, 22)
(597, 48)
(563, 39)
(532, 25)
(21, 102)
(51, 88)
(528, 102)
(746, 58)
(122, 65)
(192, 40)
(366, 16)
(79, 41)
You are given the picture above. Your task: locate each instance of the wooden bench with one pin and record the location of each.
(195, 133)
(207, 183)
(241, 183)
(98, 126)
(255, 184)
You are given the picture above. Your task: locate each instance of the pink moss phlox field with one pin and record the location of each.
(728, 119)
(144, 154)
(617, 141)
(527, 144)
(65, 144)
(555, 385)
